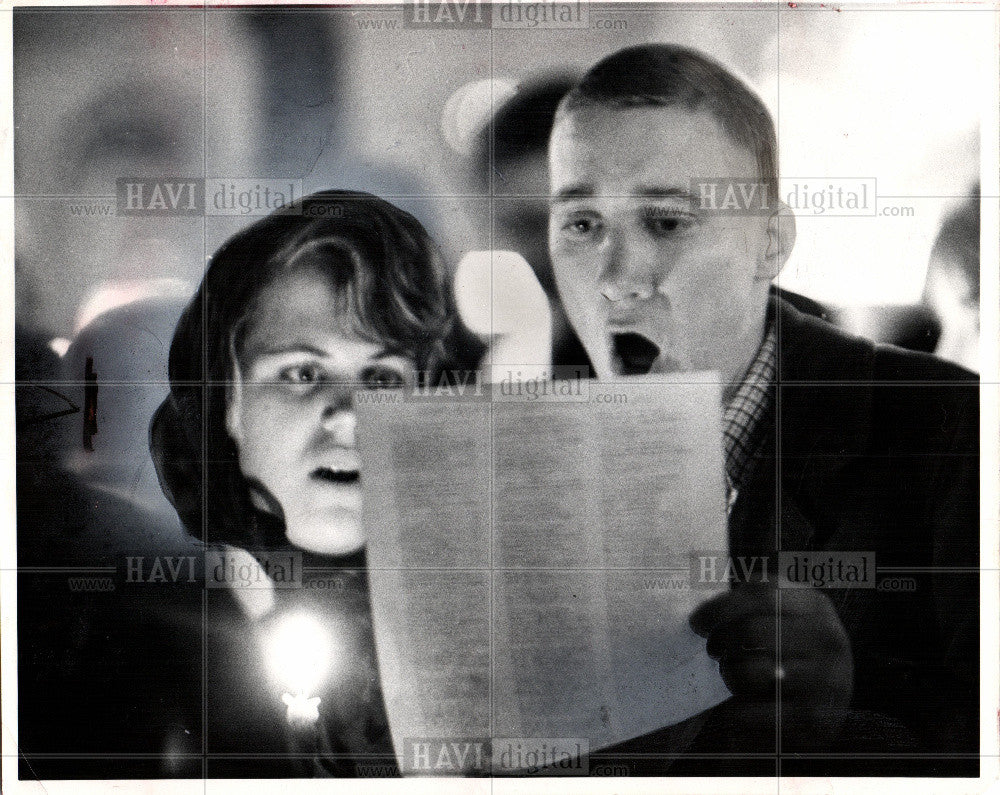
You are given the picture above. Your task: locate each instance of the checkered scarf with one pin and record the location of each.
(741, 426)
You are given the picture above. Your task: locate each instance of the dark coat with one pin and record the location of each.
(868, 448)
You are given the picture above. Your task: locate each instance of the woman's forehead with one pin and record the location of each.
(302, 288)
(297, 302)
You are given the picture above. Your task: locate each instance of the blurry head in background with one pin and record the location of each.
(652, 279)
(153, 93)
(952, 287)
(126, 347)
(101, 94)
(340, 292)
(510, 161)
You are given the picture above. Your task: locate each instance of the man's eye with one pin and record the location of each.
(580, 226)
(667, 224)
(381, 378)
(302, 374)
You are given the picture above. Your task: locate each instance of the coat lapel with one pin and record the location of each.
(819, 423)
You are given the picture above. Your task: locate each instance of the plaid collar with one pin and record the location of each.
(742, 415)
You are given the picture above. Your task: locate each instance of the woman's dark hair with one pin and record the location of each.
(387, 275)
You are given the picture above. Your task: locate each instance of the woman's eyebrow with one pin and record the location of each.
(571, 192)
(306, 347)
(293, 347)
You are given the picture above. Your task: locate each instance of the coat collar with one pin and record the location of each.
(823, 401)
(820, 420)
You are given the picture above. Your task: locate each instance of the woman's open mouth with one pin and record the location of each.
(632, 354)
(335, 475)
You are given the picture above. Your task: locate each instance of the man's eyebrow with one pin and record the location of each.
(663, 192)
(641, 192)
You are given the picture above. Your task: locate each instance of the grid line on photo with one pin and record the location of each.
(207, 755)
(778, 441)
(205, 530)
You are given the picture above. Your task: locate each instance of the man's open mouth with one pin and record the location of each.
(335, 475)
(632, 354)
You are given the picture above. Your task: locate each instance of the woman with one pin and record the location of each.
(255, 449)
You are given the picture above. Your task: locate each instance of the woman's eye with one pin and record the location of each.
(382, 378)
(302, 374)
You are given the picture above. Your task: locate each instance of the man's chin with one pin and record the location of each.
(665, 364)
(331, 531)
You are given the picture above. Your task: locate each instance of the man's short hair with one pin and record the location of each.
(667, 75)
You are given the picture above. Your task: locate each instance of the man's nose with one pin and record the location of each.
(339, 419)
(629, 273)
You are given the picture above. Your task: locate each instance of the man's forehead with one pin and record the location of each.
(649, 146)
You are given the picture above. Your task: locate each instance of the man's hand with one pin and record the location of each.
(814, 669)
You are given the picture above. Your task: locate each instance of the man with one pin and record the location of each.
(834, 446)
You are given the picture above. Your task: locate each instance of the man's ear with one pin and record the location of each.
(234, 406)
(780, 241)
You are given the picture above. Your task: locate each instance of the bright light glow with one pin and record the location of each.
(60, 345)
(299, 652)
(302, 710)
(111, 295)
(498, 296)
(497, 293)
(469, 109)
(901, 99)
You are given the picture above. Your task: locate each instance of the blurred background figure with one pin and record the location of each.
(952, 288)
(102, 94)
(157, 94)
(508, 161)
(123, 347)
(945, 321)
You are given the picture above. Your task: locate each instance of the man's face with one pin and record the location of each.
(651, 282)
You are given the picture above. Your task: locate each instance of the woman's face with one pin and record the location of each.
(292, 419)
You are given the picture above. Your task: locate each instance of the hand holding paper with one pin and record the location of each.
(815, 664)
